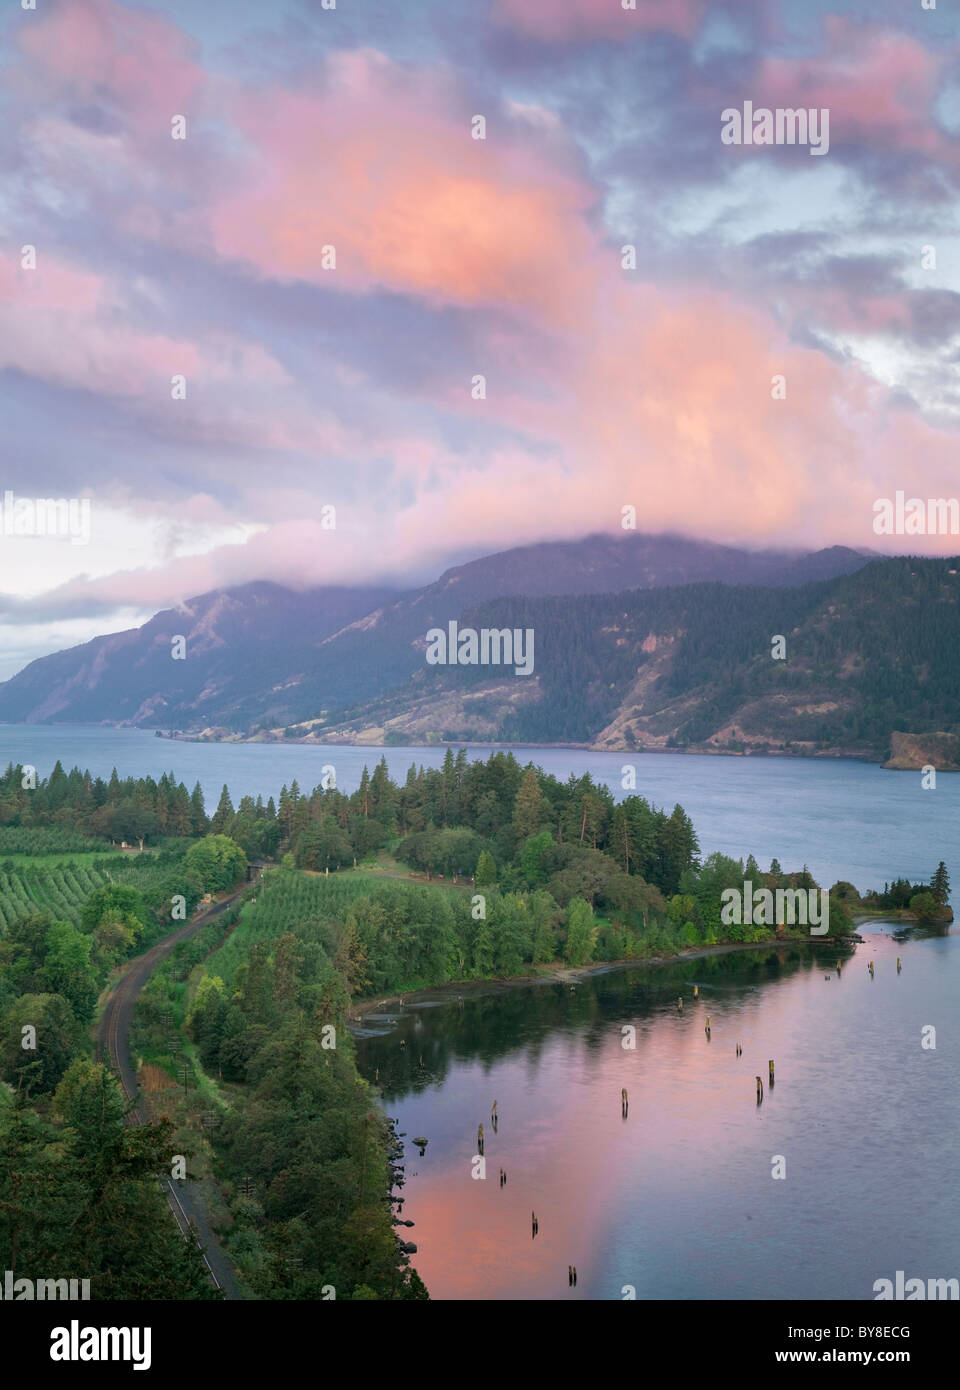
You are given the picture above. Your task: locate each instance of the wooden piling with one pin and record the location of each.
(759, 1089)
(770, 1065)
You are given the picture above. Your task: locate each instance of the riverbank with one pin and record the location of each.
(356, 740)
(573, 974)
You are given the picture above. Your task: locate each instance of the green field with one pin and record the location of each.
(32, 840)
(49, 861)
(287, 899)
(59, 889)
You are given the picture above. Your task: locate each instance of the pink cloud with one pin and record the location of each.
(88, 50)
(72, 327)
(566, 20)
(620, 392)
(379, 163)
(879, 86)
(58, 324)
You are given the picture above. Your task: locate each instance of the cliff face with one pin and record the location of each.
(914, 751)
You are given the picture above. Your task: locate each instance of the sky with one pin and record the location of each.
(290, 308)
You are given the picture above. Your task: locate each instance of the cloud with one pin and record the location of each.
(578, 19)
(879, 86)
(457, 257)
(102, 53)
(378, 161)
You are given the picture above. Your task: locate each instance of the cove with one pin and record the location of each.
(677, 1200)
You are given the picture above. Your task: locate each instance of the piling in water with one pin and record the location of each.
(759, 1089)
(770, 1065)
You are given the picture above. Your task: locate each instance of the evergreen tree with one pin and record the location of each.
(529, 808)
(223, 816)
(940, 885)
(198, 816)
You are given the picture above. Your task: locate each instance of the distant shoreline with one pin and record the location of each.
(228, 740)
(839, 755)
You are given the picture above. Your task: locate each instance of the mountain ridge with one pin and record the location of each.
(263, 656)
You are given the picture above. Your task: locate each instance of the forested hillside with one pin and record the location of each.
(259, 658)
(863, 656)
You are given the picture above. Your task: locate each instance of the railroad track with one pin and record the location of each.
(112, 1044)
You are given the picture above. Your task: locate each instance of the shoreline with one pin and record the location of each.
(573, 974)
(871, 758)
(841, 754)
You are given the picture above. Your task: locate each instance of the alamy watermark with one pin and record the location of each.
(911, 1289)
(782, 126)
(490, 646)
(21, 1290)
(76, 1343)
(762, 907)
(914, 516)
(66, 518)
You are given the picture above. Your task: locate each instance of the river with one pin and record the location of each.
(678, 1200)
(844, 819)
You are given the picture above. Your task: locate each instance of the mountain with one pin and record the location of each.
(604, 564)
(262, 657)
(866, 657)
(241, 645)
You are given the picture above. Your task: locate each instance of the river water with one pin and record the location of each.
(678, 1200)
(844, 819)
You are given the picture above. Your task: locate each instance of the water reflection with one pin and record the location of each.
(678, 1194)
(501, 1020)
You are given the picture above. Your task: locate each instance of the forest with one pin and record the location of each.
(78, 1191)
(873, 652)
